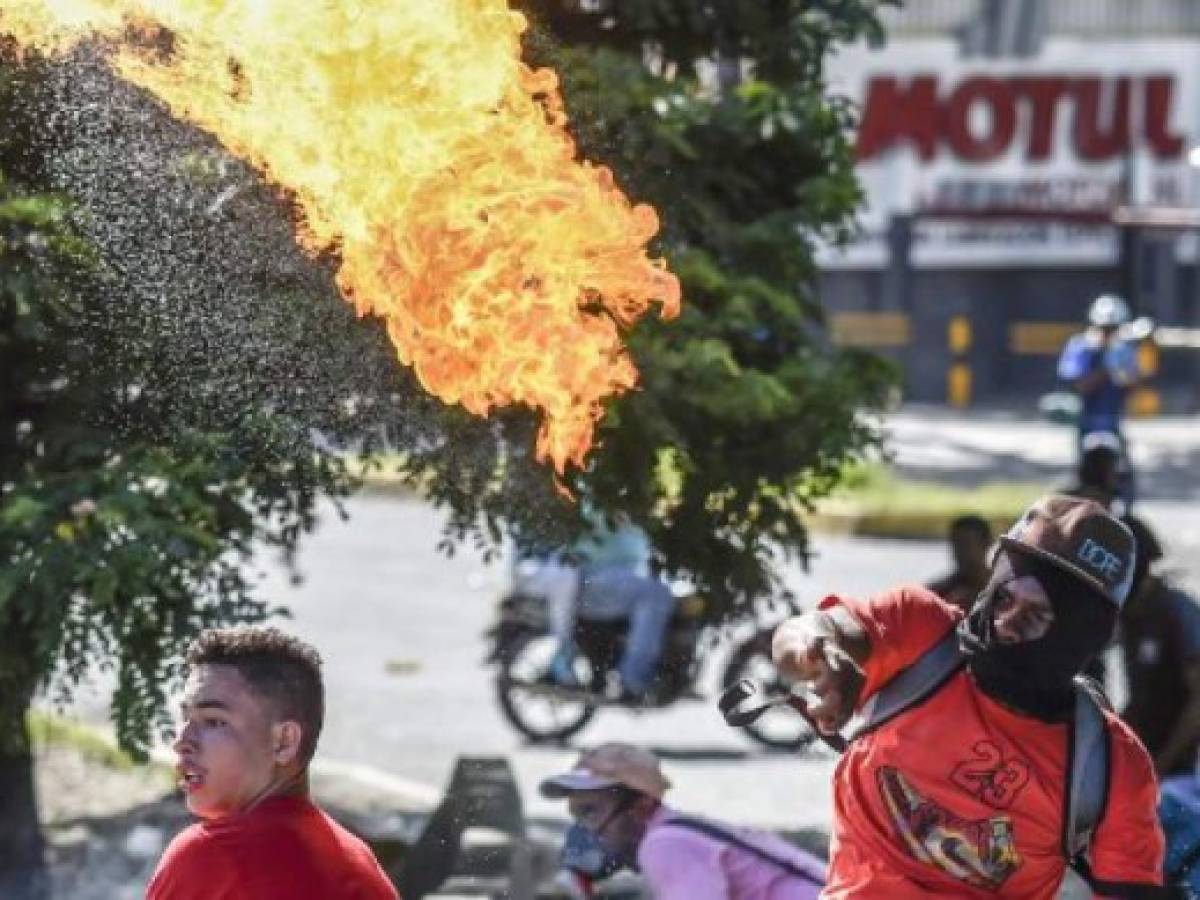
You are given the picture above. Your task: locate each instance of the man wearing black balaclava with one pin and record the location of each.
(963, 794)
(1033, 670)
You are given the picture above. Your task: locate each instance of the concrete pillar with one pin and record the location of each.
(896, 296)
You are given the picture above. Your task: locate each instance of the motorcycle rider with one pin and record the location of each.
(963, 794)
(605, 576)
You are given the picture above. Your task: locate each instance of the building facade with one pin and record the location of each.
(1019, 158)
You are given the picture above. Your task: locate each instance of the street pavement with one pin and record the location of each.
(401, 626)
(943, 445)
(401, 629)
(937, 444)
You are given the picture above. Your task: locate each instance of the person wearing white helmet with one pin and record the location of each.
(1108, 311)
(1102, 368)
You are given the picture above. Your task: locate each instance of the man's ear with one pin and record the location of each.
(285, 742)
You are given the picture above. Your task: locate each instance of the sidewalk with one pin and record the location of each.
(971, 448)
(935, 444)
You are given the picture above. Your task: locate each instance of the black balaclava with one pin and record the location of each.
(1036, 677)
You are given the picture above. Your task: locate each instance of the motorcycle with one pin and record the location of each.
(543, 710)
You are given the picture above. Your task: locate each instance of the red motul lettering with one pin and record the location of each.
(893, 114)
(910, 111)
(1044, 94)
(1101, 118)
(1157, 112)
(997, 97)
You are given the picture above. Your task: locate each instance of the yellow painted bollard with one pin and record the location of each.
(958, 385)
(1148, 359)
(1146, 400)
(959, 378)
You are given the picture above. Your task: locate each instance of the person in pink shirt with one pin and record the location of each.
(616, 792)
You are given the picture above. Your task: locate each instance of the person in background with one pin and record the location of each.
(1101, 368)
(615, 792)
(605, 576)
(1099, 478)
(1179, 812)
(1099, 474)
(970, 542)
(252, 711)
(1160, 644)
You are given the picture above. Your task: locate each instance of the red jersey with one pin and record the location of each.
(962, 797)
(283, 849)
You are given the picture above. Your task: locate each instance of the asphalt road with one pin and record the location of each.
(401, 629)
(401, 626)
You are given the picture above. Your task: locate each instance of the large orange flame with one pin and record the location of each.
(436, 163)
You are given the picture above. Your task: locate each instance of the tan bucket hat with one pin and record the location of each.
(610, 765)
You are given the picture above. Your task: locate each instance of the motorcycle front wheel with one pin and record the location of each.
(541, 710)
(780, 728)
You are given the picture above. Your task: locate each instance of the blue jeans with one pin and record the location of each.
(618, 593)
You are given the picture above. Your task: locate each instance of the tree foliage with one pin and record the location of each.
(169, 353)
(746, 412)
(118, 548)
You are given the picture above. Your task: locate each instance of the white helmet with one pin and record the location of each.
(1108, 311)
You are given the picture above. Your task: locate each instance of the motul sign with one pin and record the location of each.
(976, 120)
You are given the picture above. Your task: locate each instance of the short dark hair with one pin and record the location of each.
(1149, 548)
(972, 524)
(1096, 464)
(282, 669)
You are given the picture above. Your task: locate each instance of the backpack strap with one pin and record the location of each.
(1088, 771)
(1086, 797)
(912, 685)
(716, 832)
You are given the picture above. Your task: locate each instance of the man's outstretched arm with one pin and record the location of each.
(824, 649)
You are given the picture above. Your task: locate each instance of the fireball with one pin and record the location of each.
(432, 161)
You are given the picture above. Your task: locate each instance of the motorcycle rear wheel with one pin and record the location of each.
(538, 710)
(779, 729)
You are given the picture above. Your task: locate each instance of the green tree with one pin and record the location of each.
(116, 550)
(174, 377)
(717, 112)
(167, 352)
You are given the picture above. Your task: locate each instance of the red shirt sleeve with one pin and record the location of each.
(1128, 845)
(901, 625)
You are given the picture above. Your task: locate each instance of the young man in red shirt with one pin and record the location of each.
(963, 794)
(252, 712)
